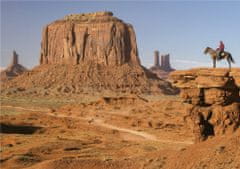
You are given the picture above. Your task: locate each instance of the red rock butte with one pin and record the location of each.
(92, 37)
(91, 52)
(161, 70)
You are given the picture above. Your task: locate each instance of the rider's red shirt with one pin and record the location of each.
(221, 46)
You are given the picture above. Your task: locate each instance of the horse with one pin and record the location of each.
(224, 55)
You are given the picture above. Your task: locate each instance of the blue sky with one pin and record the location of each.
(181, 28)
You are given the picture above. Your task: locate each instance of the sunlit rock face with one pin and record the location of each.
(89, 38)
(214, 97)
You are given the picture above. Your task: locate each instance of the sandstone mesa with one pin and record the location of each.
(89, 38)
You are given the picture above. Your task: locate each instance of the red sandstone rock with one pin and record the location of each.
(88, 53)
(214, 97)
(235, 73)
(219, 86)
(89, 38)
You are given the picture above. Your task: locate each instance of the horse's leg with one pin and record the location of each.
(214, 62)
(229, 63)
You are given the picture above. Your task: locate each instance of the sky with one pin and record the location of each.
(181, 28)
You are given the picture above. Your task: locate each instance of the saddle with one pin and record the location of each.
(220, 55)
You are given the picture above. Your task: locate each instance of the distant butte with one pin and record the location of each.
(161, 70)
(93, 52)
(13, 70)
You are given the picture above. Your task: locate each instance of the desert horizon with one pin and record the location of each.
(93, 90)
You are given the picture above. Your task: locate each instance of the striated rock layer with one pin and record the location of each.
(94, 37)
(214, 98)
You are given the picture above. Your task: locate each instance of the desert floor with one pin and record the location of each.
(110, 132)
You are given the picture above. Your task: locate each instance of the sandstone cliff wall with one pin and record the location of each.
(89, 38)
(214, 98)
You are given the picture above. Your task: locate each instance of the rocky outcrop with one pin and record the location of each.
(13, 70)
(214, 96)
(89, 38)
(165, 63)
(161, 70)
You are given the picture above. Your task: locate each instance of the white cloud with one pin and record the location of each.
(190, 62)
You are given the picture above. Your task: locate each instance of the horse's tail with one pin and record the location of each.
(231, 58)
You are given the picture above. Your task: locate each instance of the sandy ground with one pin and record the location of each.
(106, 133)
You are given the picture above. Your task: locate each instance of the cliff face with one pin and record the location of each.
(208, 86)
(214, 98)
(89, 38)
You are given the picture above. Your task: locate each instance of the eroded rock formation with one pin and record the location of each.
(13, 70)
(94, 37)
(88, 53)
(214, 96)
(162, 69)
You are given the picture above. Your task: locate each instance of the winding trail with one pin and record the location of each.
(22, 108)
(99, 122)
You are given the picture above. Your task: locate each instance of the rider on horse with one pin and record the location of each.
(220, 50)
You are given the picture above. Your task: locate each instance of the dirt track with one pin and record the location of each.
(102, 136)
(99, 122)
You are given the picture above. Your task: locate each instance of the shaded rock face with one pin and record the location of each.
(214, 97)
(89, 38)
(15, 58)
(165, 63)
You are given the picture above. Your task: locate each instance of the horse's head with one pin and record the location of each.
(206, 50)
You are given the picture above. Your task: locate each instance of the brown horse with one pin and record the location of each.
(224, 55)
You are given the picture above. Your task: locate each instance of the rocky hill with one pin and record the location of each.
(214, 98)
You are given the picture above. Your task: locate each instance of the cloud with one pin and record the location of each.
(186, 64)
(190, 62)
